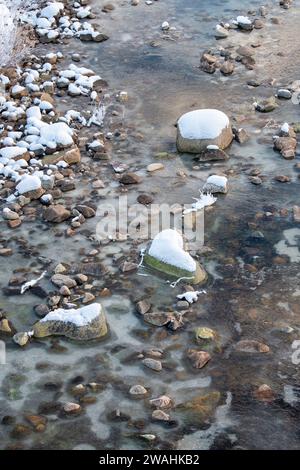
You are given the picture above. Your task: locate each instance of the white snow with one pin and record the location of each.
(202, 124)
(285, 128)
(28, 183)
(79, 317)
(218, 181)
(53, 9)
(191, 296)
(243, 20)
(12, 152)
(58, 133)
(204, 200)
(167, 247)
(32, 283)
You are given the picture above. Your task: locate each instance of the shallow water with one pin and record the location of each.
(262, 303)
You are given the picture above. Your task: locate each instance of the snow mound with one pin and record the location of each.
(55, 134)
(29, 183)
(167, 247)
(79, 317)
(203, 124)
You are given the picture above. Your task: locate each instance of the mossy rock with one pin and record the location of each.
(197, 277)
(97, 328)
(296, 127)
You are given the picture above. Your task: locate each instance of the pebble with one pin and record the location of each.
(161, 402)
(159, 415)
(71, 408)
(154, 167)
(198, 358)
(152, 364)
(138, 390)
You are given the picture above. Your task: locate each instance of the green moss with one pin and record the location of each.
(197, 277)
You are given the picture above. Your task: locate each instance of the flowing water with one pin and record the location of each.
(253, 289)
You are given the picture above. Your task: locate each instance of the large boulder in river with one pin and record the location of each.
(201, 128)
(84, 323)
(166, 254)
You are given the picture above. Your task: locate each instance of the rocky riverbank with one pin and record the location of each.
(132, 356)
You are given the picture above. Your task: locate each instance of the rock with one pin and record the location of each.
(56, 213)
(21, 338)
(267, 105)
(296, 213)
(159, 415)
(70, 156)
(154, 167)
(161, 402)
(241, 135)
(203, 127)
(208, 63)
(264, 393)
(8, 214)
(152, 364)
(258, 23)
(5, 326)
(6, 251)
(182, 305)
(38, 422)
(204, 334)
(166, 254)
(41, 310)
(130, 178)
(60, 280)
(244, 23)
(86, 211)
(283, 178)
(255, 180)
(221, 32)
(285, 94)
(216, 184)
(212, 153)
(198, 358)
(138, 390)
(251, 346)
(245, 51)
(145, 199)
(143, 307)
(85, 323)
(71, 408)
(158, 318)
(286, 4)
(227, 68)
(14, 223)
(128, 267)
(286, 146)
(20, 431)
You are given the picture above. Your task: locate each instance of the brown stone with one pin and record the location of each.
(198, 358)
(56, 213)
(130, 178)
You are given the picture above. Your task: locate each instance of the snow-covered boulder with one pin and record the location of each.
(84, 323)
(203, 127)
(167, 255)
(216, 184)
(30, 186)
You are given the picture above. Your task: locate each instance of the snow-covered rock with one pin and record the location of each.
(166, 254)
(203, 127)
(216, 184)
(30, 186)
(84, 323)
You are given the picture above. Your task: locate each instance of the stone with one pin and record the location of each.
(264, 393)
(159, 415)
(251, 346)
(212, 154)
(286, 146)
(161, 402)
(267, 105)
(143, 307)
(152, 364)
(86, 211)
(145, 199)
(216, 184)
(38, 422)
(138, 390)
(245, 51)
(227, 68)
(284, 94)
(21, 338)
(201, 128)
(14, 223)
(70, 156)
(221, 32)
(60, 280)
(5, 326)
(154, 167)
(56, 214)
(130, 178)
(82, 324)
(71, 408)
(41, 310)
(282, 179)
(241, 135)
(255, 180)
(296, 213)
(204, 334)
(198, 358)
